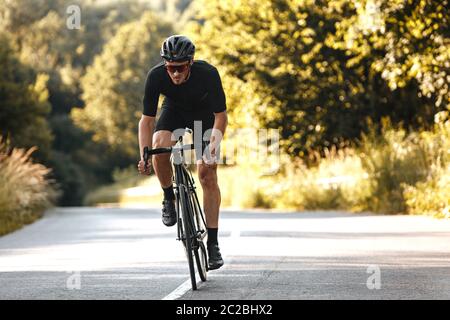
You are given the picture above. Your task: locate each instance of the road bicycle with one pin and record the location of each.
(191, 224)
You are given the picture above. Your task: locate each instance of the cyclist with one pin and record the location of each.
(193, 96)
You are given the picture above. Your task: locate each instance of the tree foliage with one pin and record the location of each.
(413, 36)
(319, 70)
(23, 103)
(43, 45)
(113, 85)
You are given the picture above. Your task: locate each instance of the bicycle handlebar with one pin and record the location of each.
(148, 152)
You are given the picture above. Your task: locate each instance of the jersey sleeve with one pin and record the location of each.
(216, 93)
(151, 95)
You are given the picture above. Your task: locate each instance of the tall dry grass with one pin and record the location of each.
(25, 191)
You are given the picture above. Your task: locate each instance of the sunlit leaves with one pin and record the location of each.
(113, 85)
(24, 105)
(414, 38)
(355, 59)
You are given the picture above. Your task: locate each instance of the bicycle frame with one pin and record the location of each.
(180, 169)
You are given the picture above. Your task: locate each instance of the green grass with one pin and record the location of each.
(117, 193)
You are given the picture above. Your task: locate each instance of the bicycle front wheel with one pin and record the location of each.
(189, 234)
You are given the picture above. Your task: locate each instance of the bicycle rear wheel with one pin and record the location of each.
(201, 259)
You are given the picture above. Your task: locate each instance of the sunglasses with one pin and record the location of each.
(180, 68)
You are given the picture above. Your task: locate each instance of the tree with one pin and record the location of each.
(113, 85)
(418, 47)
(24, 103)
(309, 77)
(413, 36)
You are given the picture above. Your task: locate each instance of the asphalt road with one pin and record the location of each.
(94, 253)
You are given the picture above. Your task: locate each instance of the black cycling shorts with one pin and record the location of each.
(171, 119)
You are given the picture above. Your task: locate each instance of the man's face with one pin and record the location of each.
(178, 71)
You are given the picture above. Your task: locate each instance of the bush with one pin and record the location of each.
(338, 181)
(25, 192)
(432, 196)
(392, 160)
(391, 172)
(408, 171)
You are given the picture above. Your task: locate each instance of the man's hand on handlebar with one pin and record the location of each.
(145, 164)
(143, 169)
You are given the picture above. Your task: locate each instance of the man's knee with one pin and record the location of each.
(207, 177)
(162, 139)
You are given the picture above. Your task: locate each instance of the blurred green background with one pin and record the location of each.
(358, 91)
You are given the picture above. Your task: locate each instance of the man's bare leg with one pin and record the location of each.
(207, 175)
(161, 162)
(163, 170)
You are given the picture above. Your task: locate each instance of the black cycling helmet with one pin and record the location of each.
(177, 48)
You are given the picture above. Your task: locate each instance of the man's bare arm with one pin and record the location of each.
(146, 128)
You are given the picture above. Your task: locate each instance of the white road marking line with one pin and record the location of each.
(186, 286)
(180, 291)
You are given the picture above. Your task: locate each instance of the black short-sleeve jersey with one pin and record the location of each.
(203, 90)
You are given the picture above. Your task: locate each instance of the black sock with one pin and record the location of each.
(212, 236)
(168, 193)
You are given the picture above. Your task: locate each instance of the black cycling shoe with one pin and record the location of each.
(215, 260)
(169, 215)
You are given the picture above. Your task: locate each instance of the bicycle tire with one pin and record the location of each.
(199, 223)
(201, 258)
(187, 230)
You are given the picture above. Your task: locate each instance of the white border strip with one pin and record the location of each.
(186, 286)
(180, 291)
